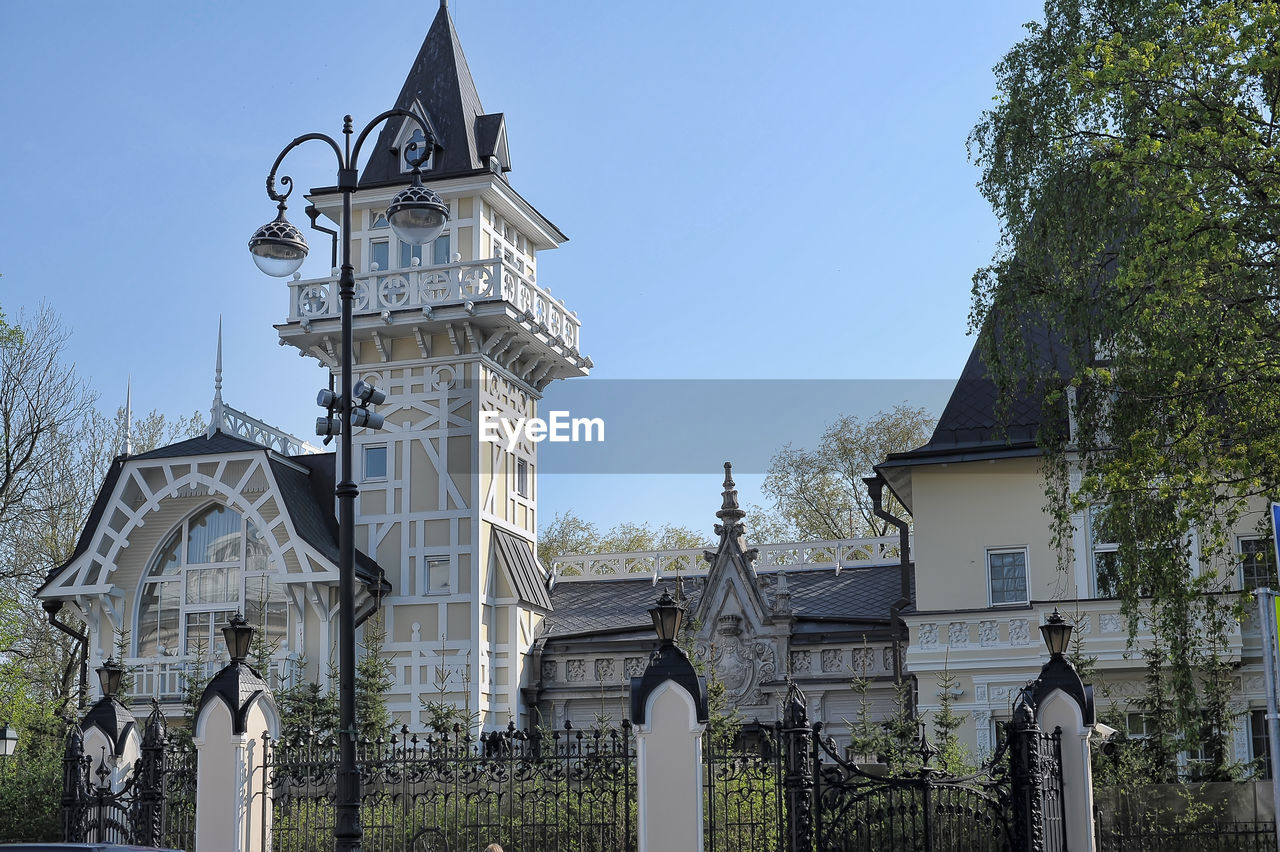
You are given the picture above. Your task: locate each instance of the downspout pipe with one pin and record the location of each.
(875, 488)
(82, 639)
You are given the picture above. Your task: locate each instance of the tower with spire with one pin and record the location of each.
(454, 331)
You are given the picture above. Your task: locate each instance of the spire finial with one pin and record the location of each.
(128, 417)
(729, 509)
(215, 413)
(444, 4)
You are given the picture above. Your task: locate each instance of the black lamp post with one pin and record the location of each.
(416, 215)
(110, 674)
(8, 740)
(1057, 634)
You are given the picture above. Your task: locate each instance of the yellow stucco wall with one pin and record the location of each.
(961, 511)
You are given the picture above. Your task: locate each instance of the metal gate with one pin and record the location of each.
(153, 807)
(1012, 803)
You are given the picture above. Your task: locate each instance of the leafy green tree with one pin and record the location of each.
(819, 493)
(1131, 157)
(569, 533)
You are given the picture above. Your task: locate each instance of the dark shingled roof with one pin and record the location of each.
(440, 83)
(972, 421)
(95, 518)
(855, 596)
(308, 496)
(202, 445)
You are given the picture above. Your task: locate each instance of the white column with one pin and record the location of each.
(669, 769)
(1060, 710)
(229, 772)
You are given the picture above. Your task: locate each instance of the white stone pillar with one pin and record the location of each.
(1059, 709)
(232, 812)
(669, 769)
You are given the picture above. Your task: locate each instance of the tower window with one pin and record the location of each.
(412, 149)
(408, 254)
(375, 462)
(379, 254)
(522, 477)
(439, 575)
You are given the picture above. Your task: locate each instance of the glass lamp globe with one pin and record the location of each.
(417, 215)
(278, 248)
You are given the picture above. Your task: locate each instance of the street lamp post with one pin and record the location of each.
(416, 215)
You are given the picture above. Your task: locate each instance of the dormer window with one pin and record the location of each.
(411, 149)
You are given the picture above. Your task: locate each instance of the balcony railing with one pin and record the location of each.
(165, 680)
(835, 554)
(426, 288)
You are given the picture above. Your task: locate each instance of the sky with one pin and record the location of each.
(756, 194)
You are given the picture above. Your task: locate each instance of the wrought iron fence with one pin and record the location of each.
(154, 805)
(742, 793)
(566, 790)
(178, 827)
(1218, 837)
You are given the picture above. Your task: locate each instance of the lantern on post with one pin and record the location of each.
(1057, 634)
(667, 616)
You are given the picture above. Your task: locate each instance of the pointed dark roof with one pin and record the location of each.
(440, 84)
(973, 422)
(974, 426)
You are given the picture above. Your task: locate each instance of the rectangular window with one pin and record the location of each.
(1138, 726)
(1261, 742)
(1105, 554)
(408, 254)
(375, 462)
(1007, 576)
(213, 585)
(522, 477)
(379, 255)
(440, 250)
(439, 575)
(1257, 563)
(204, 632)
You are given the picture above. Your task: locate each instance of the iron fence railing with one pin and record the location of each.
(566, 790)
(1216, 837)
(743, 802)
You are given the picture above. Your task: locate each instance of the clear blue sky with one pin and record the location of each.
(752, 190)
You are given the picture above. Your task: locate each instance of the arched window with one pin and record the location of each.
(213, 564)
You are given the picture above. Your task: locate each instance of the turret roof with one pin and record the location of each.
(440, 84)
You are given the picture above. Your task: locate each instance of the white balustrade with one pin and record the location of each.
(436, 286)
(165, 680)
(843, 553)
